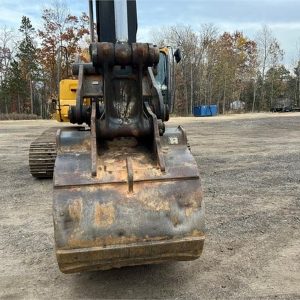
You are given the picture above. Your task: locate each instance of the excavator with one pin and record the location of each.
(127, 189)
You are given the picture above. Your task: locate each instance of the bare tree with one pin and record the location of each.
(268, 52)
(276, 56)
(6, 56)
(297, 73)
(206, 61)
(6, 50)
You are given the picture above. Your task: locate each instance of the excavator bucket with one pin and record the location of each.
(131, 213)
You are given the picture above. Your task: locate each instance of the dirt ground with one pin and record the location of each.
(250, 167)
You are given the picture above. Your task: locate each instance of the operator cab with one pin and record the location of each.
(165, 75)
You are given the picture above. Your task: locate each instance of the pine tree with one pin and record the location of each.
(17, 88)
(27, 59)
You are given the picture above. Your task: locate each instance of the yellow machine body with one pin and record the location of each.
(67, 98)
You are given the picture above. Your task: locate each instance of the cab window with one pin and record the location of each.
(161, 76)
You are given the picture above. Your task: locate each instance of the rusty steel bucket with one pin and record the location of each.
(131, 213)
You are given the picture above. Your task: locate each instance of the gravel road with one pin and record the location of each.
(250, 168)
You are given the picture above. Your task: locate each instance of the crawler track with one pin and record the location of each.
(42, 154)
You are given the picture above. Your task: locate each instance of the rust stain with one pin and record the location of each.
(104, 241)
(75, 209)
(175, 219)
(193, 205)
(196, 233)
(158, 205)
(151, 199)
(104, 214)
(190, 210)
(107, 241)
(154, 203)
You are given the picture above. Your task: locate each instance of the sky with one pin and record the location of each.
(248, 16)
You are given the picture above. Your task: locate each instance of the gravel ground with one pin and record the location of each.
(250, 167)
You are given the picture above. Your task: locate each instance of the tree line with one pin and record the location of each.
(223, 68)
(32, 64)
(215, 68)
